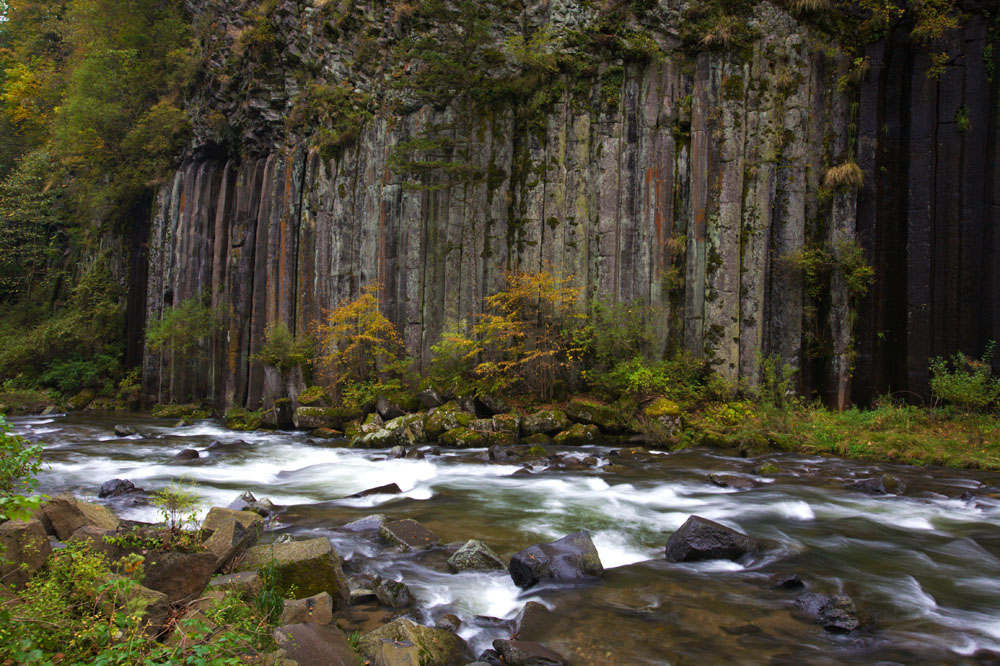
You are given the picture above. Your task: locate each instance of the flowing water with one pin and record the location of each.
(924, 568)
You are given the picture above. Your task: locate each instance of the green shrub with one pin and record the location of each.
(19, 462)
(454, 360)
(177, 504)
(283, 350)
(683, 378)
(72, 375)
(965, 382)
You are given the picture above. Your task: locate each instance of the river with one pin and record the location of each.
(924, 568)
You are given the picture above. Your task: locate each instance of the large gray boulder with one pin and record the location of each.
(310, 566)
(571, 558)
(702, 539)
(408, 535)
(232, 532)
(64, 515)
(311, 644)
(548, 421)
(24, 547)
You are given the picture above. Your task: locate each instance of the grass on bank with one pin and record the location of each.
(889, 432)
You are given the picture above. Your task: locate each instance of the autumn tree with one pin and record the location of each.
(361, 347)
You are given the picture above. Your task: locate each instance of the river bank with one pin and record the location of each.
(889, 432)
(916, 561)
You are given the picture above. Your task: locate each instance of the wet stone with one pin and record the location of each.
(117, 487)
(836, 613)
(733, 481)
(572, 558)
(475, 555)
(186, 454)
(372, 522)
(408, 535)
(124, 431)
(388, 489)
(526, 653)
(392, 593)
(701, 539)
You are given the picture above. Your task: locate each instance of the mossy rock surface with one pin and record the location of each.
(579, 434)
(538, 439)
(380, 439)
(444, 418)
(549, 421)
(82, 399)
(662, 407)
(187, 411)
(508, 422)
(464, 438)
(302, 568)
(244, 420)
(437, 647)
(310, 418)
(589, 411)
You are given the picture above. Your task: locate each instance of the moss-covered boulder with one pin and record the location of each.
(186, 411)
(310, 567)
(310, 418)
(314, 396)
(82, 399)
(380, 439)
(578, 434)
(464, 438)
(409, 429)
(538, 439)
(444, 418)
(592, 412)
(239, 418)
(508, 422)
(661, 407)
(436, 647)
(548, 421)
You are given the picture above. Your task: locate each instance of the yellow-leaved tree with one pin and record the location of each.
(362, 352)
(526, 334)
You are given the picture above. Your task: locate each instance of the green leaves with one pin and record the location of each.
(20, 461)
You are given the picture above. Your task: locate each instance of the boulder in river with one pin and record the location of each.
(884, 484)
(124, 431)
(185, 455)
(475, 555)
(408, 534)
(836, 613)
(526, 653)
(392, 593)
(388, 489)
(733, 481)
(310, 566)
(408, 429)
(24, 547)
(380, 439)
(372, 522)
(311, 418)
(702, 539)
(548, 421)
(574, 557)
(533, 621)
(117, 487)
(435, 647)
(247, 502)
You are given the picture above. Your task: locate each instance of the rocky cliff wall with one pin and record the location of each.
(694, 185)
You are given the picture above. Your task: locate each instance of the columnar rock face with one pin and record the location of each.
(691, 189)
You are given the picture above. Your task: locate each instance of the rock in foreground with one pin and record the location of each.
(571, 558)
(437, 647)
(475, 556)
(310, 566)
(702, 539)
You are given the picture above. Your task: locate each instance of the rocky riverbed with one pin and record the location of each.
(834, 561)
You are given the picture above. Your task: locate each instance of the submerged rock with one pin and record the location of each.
(836, 613)
(886, 484)
(733, 481)
(408, 535)
(526, 653)
(185, 455)
(388, 489)
(571, 558)
(702, 539)
(124, 431)
(475, 556)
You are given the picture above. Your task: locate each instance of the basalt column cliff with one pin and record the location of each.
(736, 190)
